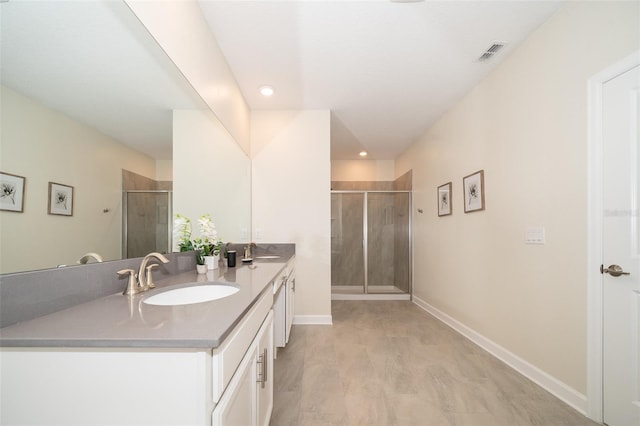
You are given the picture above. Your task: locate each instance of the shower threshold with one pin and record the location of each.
(376, 292)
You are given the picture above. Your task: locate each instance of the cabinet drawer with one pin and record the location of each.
(227, 357)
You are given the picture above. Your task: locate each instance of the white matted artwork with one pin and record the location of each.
(473, 192)
(60, 199)
(11, 192)
(444, 199)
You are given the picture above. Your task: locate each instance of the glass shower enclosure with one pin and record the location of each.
(146, 222)
(370, 242)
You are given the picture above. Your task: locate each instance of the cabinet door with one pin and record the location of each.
(237, 405)
(291, 291)
(280, 317)
(264, 382)
(248, 400)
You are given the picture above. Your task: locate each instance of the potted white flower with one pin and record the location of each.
(209, 241)
(207, 246)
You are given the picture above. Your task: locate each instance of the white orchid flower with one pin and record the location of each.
(208, 229)
(182, 229)
(208, 241)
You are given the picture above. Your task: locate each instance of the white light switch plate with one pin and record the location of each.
(534, 235)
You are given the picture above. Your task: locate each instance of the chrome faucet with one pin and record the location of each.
(143, 272)
(88, 256)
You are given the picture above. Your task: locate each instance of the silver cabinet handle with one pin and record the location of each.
(262, 368)
(613, 270)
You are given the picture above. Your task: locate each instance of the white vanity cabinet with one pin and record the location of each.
(109, 386)
(145, 386)
(284, 304)
(265, 376)
(237, 405)
(291, 294)
(242, 378)
(248, 399)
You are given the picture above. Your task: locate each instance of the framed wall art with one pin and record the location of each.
(444, 199)
(473, 186)
(12, 192)
(60, 199)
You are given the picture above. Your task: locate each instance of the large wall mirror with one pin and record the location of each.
(86, 93)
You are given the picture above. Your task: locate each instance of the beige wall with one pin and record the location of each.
(526, 126)
(211, 174)
(44, 145)
(291, 199)
(362, 170)
(164, 170)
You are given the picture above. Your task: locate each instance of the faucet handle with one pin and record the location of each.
(132, 283)
(149, 275)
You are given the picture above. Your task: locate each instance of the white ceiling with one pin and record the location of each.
(386, 70)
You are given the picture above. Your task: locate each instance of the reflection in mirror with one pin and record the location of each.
(87, 96)
(147, 220)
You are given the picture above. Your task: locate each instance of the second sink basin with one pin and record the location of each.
(191, 294)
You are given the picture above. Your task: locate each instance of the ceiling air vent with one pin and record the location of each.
(491, 51)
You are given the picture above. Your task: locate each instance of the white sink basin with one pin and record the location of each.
(267, 257)
(191, 294)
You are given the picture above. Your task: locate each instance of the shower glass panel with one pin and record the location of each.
(347, 248)
(370, 242)
(146, 223)
(388, 242)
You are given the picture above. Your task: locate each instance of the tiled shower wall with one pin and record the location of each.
(403, 183)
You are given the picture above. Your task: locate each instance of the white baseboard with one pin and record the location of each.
(559, 389)
(312, 320)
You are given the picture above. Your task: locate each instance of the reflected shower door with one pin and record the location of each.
(347, 251)
(147, 223)
(388, 242)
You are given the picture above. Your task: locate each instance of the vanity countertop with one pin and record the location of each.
(118, 321)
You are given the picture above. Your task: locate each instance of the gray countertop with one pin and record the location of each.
(118, 321)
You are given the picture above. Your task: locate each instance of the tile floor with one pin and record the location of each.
(391, 363)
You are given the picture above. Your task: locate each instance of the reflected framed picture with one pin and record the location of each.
(60, 199)
(12, 192)
(473, 186)
(444, 199)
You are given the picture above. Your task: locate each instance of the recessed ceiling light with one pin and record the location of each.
(363, 153)
(266, 90)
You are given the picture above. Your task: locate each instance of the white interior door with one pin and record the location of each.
(621, 249)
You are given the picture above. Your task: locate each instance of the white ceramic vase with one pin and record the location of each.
(211, 261)
(202, 269)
